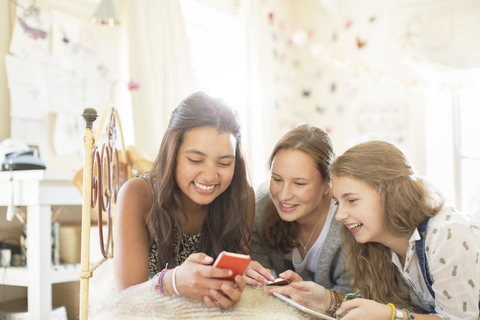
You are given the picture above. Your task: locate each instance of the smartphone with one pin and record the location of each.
(234, 261)
(278, 282)
(303, 308)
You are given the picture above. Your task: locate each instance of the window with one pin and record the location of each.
(217, 50)
(453, 143)
(466, 118)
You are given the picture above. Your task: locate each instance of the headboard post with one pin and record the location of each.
(89, 115)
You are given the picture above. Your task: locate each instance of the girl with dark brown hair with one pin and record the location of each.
(195, 202)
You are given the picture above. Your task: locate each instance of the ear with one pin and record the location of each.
(328, 188)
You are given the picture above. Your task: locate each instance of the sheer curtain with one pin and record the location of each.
(160, 64)
(260, 90)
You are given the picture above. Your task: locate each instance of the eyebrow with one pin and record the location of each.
(295, 178)
(345, 195)
(193, 151)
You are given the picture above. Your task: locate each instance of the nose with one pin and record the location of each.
(210, 172)
(285, 193)
(341, 213)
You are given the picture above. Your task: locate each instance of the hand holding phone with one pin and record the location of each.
(234, 261)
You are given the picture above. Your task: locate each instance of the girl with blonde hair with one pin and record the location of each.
(408, 254)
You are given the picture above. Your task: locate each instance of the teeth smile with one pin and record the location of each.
(353, 226)
(288, 205)
(204, 187)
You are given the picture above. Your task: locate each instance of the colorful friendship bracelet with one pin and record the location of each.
(337, 298)
(352, 295)
(409, 314)
(159, 284)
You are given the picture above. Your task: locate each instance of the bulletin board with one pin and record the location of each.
(58, 65)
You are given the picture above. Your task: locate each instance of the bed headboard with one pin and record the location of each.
(104, 171)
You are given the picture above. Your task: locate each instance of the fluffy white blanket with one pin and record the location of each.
(106, 303)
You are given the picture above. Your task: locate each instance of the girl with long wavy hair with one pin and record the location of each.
(195, 202)
(409, 255)
(294, 225)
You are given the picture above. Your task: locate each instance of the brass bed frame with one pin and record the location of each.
(104, 172)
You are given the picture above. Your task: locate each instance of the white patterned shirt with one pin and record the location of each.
(452, 249)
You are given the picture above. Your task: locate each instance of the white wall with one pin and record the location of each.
(370, 83)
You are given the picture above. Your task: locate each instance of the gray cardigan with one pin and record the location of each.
(330, 271)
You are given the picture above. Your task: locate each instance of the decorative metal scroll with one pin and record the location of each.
(108, 175)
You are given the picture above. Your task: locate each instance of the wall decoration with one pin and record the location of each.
(30, 31)
(320, 109)
(360, 43)
(339, 110)
(300, 37)
(306, 93)
(334, 37)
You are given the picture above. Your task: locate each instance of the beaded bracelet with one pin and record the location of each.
(337, 298)
(393, 310)
(159, 283)
(409, 314)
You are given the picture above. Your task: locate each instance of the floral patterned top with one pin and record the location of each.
(452, 248)
(189, 245)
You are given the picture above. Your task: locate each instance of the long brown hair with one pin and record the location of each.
(225, 226)
(407, 201)
(280, 235)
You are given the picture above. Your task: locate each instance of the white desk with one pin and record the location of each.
(38, 190)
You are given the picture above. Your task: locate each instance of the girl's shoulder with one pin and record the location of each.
(262, 201)
(136, 193)
(449, 219)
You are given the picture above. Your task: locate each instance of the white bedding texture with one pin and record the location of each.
(107, 303)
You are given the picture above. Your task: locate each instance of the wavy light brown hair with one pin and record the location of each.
(280, 235)
(407, 201)
(225, 226)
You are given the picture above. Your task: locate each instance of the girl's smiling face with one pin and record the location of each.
(205, 164)
(296, 186)
(360, 209)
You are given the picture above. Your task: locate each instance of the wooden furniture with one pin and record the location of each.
(38, 190)
(103, 174)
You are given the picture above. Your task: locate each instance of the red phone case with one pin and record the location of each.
(234, 261)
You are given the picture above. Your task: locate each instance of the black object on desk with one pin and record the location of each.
(24, 160)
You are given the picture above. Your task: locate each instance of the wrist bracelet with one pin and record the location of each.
(409, 314)
(154, 281)
(174, 282)
(393, 310)
(159, 283)
(337, 298)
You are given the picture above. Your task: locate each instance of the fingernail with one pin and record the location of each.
(230, 272)
(214, 292)
(272, 278)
